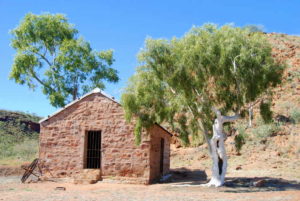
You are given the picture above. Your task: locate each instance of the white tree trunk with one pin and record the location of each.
(218, 152)
(250, 116)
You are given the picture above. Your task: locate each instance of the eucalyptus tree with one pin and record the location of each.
(50, 54)
(198, 82)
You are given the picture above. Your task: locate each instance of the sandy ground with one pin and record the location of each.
(183, 186)
(280, 174)
(280, 177)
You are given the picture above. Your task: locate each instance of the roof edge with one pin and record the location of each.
(94, 91)
(164, 129)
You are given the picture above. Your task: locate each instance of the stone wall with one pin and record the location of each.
(155, 152)
(62, 140)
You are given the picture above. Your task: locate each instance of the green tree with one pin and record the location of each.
(254, 28)
(50, 54)
(187, 82)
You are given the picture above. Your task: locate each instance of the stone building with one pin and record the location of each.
(92, 133)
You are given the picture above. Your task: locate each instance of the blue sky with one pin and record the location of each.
(124, 25)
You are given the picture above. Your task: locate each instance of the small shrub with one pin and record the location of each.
(265, 111)
(197, 140)
(265, 130)
(240, 139)
(295, 115)
(227, 128)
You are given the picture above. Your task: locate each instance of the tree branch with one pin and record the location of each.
(230, 118)
(172, 90)
(225, 118)
(234, 63)
(217, 112)
(39, 80)
(43, 57)
(191, 111)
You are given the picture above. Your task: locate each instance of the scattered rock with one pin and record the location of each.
(263, 141)
(84, 181)
(238, 167)
(203, 156)
(87, 176)
(282, 118)
(60, 188)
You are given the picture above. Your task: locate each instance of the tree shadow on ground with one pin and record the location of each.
(186, 176)
(194, 178)
(259, 184)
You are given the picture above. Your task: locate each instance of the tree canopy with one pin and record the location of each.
(50, 54)
(179, 81)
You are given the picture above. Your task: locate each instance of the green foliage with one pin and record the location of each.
(254, 28)
(227, 127)
(25, 150)
(137, 131)
(197, 140)
(180, 80)
(295, 114)
(240, 139)
(50, 54)
(265, 111)
(264, 131)
(12, 148)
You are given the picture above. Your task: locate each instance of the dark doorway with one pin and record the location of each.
(162, 150)
(93, 150)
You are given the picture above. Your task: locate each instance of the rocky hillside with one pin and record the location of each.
(18, 137)
(18, 123)
(286, 49)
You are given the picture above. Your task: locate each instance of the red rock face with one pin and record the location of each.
(63, 142)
